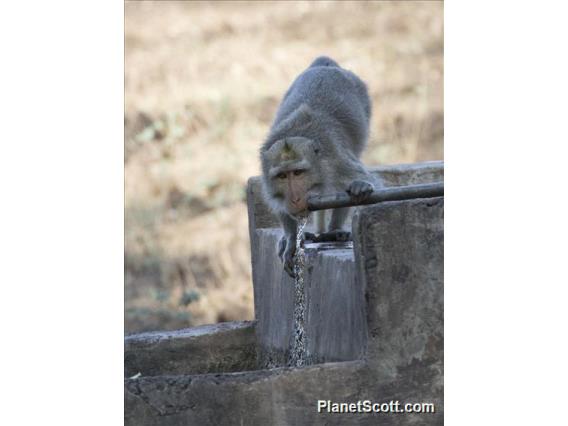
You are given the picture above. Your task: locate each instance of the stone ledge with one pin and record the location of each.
(223, 347)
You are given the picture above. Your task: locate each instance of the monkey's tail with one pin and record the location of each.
(324, 61)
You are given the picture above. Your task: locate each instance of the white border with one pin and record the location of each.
(506, 211)
(61, 237)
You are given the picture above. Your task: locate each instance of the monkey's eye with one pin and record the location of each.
(281, 175)
(298, 172)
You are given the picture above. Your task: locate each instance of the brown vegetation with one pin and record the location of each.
(202, 84)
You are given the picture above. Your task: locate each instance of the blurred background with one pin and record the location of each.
(202, 83)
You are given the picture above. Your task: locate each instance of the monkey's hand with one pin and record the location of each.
(359, 190)
(286, 250)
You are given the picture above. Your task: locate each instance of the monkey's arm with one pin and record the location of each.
(356, 180)
(359, 183)
(287, 244)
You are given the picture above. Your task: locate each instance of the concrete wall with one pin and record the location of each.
(399, 248)
(392, 281)
(335, 323)
(215, 348)
(334, 320)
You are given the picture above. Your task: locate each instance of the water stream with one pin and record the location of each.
(299, 354)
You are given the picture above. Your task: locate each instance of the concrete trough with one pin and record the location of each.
(374, 321)
(216, 348)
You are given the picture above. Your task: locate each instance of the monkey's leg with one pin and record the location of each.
(358, 190)
(336, 232)
(320, 221)
(320, 227)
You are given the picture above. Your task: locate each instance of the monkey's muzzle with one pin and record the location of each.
(299, 209)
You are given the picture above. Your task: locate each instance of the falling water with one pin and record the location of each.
(299, 355)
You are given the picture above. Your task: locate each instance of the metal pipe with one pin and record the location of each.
(396, 193)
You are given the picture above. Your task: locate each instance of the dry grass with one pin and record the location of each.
(203, 81)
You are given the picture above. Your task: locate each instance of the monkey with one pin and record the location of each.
(313, 147)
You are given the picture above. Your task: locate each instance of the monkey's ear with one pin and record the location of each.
(271, 153)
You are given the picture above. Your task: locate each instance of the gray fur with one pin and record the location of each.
(324, 121)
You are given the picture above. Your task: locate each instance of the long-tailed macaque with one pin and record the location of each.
(313, 147)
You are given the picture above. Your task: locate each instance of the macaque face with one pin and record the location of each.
(293, 185)
(291, 174)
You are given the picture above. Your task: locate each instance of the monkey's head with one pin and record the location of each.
(291, 174)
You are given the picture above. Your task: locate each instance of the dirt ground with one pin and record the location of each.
(202, 83)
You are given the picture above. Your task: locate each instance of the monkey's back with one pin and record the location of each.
(339, 100)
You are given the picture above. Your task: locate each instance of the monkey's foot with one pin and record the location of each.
(310, 236)
(337, 235)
